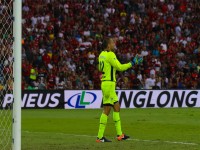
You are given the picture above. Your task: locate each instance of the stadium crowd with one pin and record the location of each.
(63, 38)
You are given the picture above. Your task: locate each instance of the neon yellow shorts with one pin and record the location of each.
(109, 93)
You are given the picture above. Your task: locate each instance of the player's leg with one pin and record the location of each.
(106, 111)
(103, 121)
(116, 110)
(117, 120)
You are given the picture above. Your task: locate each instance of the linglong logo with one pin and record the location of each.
(80, 100)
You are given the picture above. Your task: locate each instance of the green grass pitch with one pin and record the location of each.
(150, 129)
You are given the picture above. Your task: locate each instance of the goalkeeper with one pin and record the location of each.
(108, 65)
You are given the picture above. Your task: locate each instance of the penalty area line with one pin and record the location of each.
(91, 136)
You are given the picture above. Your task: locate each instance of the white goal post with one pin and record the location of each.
(17, 46)
(10, 73)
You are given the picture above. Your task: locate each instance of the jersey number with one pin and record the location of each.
(101, 66)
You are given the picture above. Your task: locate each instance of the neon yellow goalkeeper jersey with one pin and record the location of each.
(109, 64)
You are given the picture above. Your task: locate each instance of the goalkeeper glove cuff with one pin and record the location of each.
(137, 60)
(132, 63)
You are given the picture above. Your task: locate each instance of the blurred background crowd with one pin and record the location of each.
(63, 38)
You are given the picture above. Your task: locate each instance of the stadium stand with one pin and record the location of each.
(62, 40)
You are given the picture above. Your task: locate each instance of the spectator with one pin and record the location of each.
(149, 82)
(136, 84)
(33, 75)
(72, 36)
(41, 85)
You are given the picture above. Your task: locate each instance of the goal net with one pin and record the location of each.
(7, 69)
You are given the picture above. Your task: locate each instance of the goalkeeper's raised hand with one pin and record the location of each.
(137, 60)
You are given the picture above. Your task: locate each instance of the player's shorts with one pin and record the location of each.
(109, 93)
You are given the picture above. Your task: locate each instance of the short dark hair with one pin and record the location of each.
(105, 42)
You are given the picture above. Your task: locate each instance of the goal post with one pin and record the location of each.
(10, 74)
(17, 46)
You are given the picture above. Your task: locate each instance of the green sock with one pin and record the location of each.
(102, 125)
(116, 119)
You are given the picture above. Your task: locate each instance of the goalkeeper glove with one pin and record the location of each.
(137, 60)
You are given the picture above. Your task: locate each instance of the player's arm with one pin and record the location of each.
(116, 64)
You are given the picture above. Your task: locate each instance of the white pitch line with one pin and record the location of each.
(139, 140)
(156, 141)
